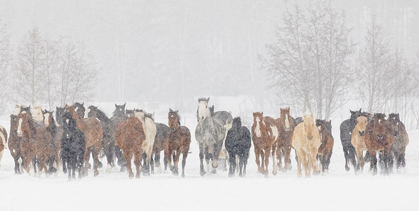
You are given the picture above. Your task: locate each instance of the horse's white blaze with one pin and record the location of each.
(67, 121)
(76, 109)
(46, 118)
(275, 132)
(16, 111)
(287, 123)
(19, 127)
(3, 139)
(86, 114)
(257, 129)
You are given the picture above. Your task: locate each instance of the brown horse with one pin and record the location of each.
(306, 142)
(129, 136)
(401, 140)
(93, 132)
(179, 142)
(286, 129)
(162, 137)
(326, 148)
(3, 141)
(56, 133)
(379, 137)
(14, 143)
(265, 137)
(358, 141)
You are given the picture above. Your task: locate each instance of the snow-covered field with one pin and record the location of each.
(338, 190)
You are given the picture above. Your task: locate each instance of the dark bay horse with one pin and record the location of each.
(179, 142)
(346, 128)
(130, 136)
(56, 133)
(238, 143)
(326, 147)
(379, 137)
(79, 108)
(109, 128)
(14, 143)
(162, 137)
(93, 133)
(401, 140)
(73, 147)
(286, 129)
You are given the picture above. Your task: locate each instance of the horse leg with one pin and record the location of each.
(258, 156)
(352, 156)
(328, 161)
(176, 161)
(137, 162)
(152, 162)
(96, 151)
(287, 158)
(360, 158)
(86, 162)
(128, 157)
(241, 164)
(267, 155)
(346, 153)
(262, 157)
(299, 162)
(373, 160)
(157, 161)
(402, 159)
(121, 160)
(274, 163)
(232, 161)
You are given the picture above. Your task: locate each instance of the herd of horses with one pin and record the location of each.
(39, 142)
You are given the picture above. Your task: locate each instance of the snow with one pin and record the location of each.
(337, 190)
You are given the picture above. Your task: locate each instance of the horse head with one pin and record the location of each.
(48, 118)
(203, 109)
(395, 123)
(25, 124)
(59, 115)
(91, 112)
(38, 114)
(79, 108)
(361, 126)
(120, 110)
(174, 119)
(129, 113)
(380, 126)
(286, 118)
(308, 122)
(259, 123)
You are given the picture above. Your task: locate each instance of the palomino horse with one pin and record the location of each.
(150, 130)
(14, 142)
(3, 142)
(265, 136)
(346, 128)
(326, 148)
(56, 133)
(286, 129)
(379, 137)
(130, 136)
(179, 142)
(162, 137)
(118, 116)
(358, 140)
(238, 143)
(306, 142)
(401, 140)
(73, 146)
(93, 133)
(108, 126)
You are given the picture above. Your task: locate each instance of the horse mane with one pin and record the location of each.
(203, 99)
(100, 113)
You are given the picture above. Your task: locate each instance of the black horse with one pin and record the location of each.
(73, 144)
(108, 143)
(118, 116)
(346, 128)
(238, 143)
(59, 113)
(162, 137)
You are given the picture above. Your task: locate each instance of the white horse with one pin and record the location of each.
(150, 131)
(38, 115)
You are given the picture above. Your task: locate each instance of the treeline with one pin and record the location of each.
(42, 70)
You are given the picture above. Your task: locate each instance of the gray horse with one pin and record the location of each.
(211, 133)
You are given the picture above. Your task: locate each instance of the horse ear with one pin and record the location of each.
(124, 104)
(82, 104)
(208, 99)
(261, 113)
(170, 110)
(177, 111)
(116, 106)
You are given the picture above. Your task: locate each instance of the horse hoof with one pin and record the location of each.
(347, 168)
(266, 176)
(214, 171)
(137, 176)
(131, 175)
(274, 172)
(100, 165)
(96, 173)
(202, 173)
(65, 171)
(183, 175)
(230, 175)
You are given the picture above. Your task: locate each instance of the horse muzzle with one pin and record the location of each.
(361, 133)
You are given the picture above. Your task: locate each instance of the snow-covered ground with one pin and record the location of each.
(338, 190)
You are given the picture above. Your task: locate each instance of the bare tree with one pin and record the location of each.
(50, 69)
(5, 66)
(28, 71)
(309, 63)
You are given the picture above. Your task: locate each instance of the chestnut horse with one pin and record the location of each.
(286, 129)
(401, 140)
(265, 136)
(379, 137)
(14, 143)
(179, 142)
(130, 137)
(326, 148)
(93, 133)
(306, 142)
(358, 141)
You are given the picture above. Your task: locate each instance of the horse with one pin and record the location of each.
(93, 133)
(162, 137)
(179, 143)
(59, 113)
(306, 142)
(150, 130)
(286, 129)
(3, 142)
(14, 142)
(401, 140)
(118, 116)
(326, 148)
(73, 145)
(238, 143)
(358, 141)
(297, 121)
(56, 133)
(265, 135)
(109, 128)
(79, 108)
(379, 136)
(346, 128)
(38, 115)
(130, 136)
